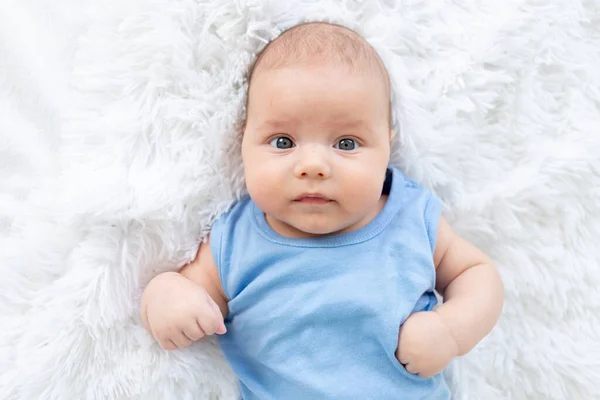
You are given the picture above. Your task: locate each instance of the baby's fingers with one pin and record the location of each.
(193, 331)
(167, 344)
(173, 341)
(211, 319)
(180, 340)
(221, 329)
(210, 325)
(410, 367)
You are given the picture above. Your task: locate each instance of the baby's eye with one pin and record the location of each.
(282, 142)
(346, 144)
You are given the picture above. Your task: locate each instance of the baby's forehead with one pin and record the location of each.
(321, 43)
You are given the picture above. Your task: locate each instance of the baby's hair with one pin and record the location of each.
(324, 42)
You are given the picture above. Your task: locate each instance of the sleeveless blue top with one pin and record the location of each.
(318, 318)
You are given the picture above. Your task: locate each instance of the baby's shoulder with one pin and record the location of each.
(240, 210)
(232, 225)
(419, 207)
(409, 190)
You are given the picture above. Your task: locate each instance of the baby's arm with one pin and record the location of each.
(473, 297)
(471, 288)
(179, 308)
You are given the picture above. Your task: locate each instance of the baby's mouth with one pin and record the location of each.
(312, 198)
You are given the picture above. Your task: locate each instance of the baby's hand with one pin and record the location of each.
(180, 312)
(425, 344)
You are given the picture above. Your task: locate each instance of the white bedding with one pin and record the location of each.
(114, 116)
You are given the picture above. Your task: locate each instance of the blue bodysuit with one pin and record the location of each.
(318, 318)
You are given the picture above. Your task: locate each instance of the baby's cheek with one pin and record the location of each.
(363, 193)
(263, 190)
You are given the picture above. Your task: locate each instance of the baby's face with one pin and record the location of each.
(316, 147)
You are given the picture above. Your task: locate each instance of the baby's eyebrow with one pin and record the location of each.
(350, 124)
(339, 123)
(279, 123)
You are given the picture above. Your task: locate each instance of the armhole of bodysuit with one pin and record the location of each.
(217, 237)
(432, 215)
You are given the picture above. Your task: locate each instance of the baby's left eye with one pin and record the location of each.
(346, 144)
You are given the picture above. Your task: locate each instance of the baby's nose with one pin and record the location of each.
(314, 166)
(314, 171)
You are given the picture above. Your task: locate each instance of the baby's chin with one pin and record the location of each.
(307, 226)
(316, 229)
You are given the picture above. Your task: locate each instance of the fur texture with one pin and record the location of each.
(118, 147)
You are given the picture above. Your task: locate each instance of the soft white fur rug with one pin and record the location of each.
(118, 128)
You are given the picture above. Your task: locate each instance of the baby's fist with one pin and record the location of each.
(425, 344)
(179, 312)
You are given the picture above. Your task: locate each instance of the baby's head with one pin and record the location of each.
(317, 137)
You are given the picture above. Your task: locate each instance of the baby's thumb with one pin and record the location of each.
(221, 328)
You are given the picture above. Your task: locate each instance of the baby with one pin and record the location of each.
(321, 283)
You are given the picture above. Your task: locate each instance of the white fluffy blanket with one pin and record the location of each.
(118, 124)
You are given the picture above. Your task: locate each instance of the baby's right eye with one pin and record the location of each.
(282, 142)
